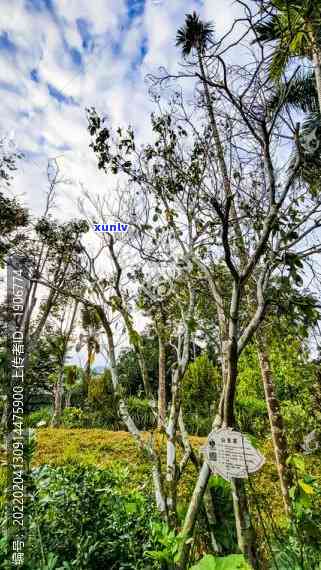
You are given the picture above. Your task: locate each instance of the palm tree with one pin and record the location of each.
(294, 28)
(92, 327)
(196, 36)
(73, 378)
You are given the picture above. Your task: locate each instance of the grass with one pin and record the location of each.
(103, 448)
(57, 446)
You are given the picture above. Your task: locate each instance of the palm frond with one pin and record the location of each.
(280, 60)
(195, 34)
(267, 31)
(300, 95)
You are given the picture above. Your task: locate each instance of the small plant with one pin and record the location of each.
(83, 517)
(141, 412)
(168, 543)
(300, 547)
(72, 417)
(41, 416)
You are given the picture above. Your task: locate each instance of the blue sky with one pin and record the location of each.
(58, 57)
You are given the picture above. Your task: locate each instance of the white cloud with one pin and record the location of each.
(111, 77)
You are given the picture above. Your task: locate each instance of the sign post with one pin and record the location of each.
(231, 455)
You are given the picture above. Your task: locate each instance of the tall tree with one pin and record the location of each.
(91, 324)
(61, 346)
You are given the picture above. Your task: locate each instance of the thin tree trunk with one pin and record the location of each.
(4, 413)
(244, 528)
(58, 395)
(171, 428)
(211, 519)
(221, 159)
(68, 399)
(276, 422)
(191, 516)
(59, 387)
(316, 57)
(317, 73)
(160, 496)
(87, 373)
(161, 381)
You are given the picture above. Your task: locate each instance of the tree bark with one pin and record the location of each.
(58, 395)
(161, 381)
(244, 528)
(193, 510)
(316, 58)
(276, 422)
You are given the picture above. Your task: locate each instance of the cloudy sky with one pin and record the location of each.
(58, 57)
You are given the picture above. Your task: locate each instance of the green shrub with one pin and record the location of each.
(224, 530)
(106, 414)
(201, 388)
(298, 422)
(231, 562)
(141, 412)
(299, 545)
(42, 415)
(83, 517)
(72, 417)
(198, 424)
(251, 415)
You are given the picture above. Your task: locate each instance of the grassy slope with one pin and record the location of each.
(103, 448)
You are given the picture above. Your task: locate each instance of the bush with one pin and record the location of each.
(141, 412)
(42, 415)
(201, 388)
(298, 422)
(251, 415)
(72, 417)
(107, 416)
(231, 562)
(83, 517)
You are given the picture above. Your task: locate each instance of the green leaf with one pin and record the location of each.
(231, 562)
(308, 489)
(297, 462)
(131, 508)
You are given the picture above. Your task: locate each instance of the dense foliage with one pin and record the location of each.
(83, 517)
